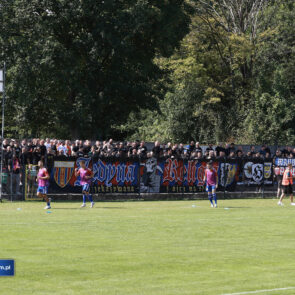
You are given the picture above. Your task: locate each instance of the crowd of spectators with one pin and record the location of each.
(31, 151)
(17, 154)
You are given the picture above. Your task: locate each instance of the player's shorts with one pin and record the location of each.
(86, 187)
(279, 179)
(288, 189)
(209, 188)
(42, 190)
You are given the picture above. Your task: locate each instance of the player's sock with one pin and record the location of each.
(84, 199)
(48, 203)
(90, 198)
(215, 198)
(211, 199)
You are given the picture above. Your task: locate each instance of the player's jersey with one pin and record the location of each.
(211, 177)
(42, 173)
(83, 173)
(287, 178)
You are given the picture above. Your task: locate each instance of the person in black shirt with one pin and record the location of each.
(87, 147)
(180, 149)
(36, 155)
(142, 149)
(219, 149)
(80, 152)
(210, 148)
(191, 147)
(7, 155)
(157, 150)
(5, 144)
(252, 150)
(43, 149)
(198, 148)
(17, 149)
(50, 154)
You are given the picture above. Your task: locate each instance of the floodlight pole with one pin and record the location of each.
(2, 132)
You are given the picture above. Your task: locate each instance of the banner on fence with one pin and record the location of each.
(282, 163)
(157, 175)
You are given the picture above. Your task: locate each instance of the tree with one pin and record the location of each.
(83, 66)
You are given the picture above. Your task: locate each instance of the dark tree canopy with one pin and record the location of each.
(78, 67)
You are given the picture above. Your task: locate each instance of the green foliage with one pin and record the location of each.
(137, 70)
(233, 76)
(78, 67)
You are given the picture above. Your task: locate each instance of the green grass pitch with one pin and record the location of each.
(149, 248)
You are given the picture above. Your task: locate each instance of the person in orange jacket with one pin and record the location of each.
(287, 185)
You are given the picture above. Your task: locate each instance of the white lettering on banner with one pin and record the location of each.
(284, 162)
(64, 164)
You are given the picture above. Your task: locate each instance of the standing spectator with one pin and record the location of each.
(142, 149)
(68, 146)
(75, 147)
(222, 155)
(227, 149)
(279, 179)
(80, 152)
(36, 155)
(199, 155)
(157, 150)
(210, 149)
(7, 155)
(219, 148)
(62, 149)
(252, 150)
(287, 184)
(17, 149)
(87, 147)
(5, 144)
(198, 148)
(191, 147)
(211, 155)
(14, 170)
(97, 145)
(50, 154)
(180, 149)
(262, 150)
(232, 148)
(174, 151)
(24, 159)
(47, 143)
(43, 149)
(23, 143)
(54, 145)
